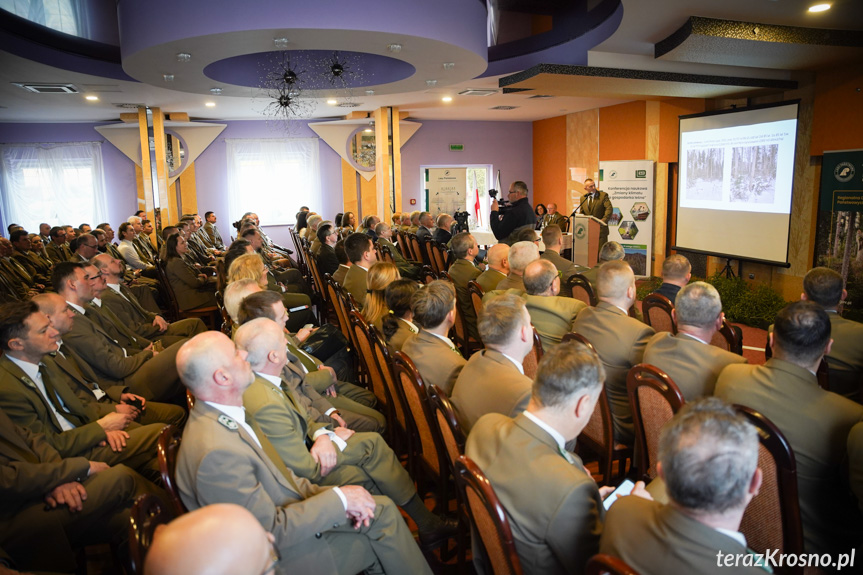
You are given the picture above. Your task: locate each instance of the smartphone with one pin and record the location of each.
(309, 326)
(624, 488)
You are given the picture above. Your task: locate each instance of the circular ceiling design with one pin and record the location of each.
(361, 70)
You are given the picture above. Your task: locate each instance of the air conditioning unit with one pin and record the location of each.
(504, 108)
(478, 92)
(48, 88)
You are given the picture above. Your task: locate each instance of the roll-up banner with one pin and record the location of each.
(630, 186)
(445, 190)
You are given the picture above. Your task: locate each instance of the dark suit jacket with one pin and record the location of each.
(553, 506)
(668, 290)
(816, 424)
(599, 208)
(442, 236)
(489, 383)
(424, 234)
(520, 214)
(327, 261)
(191, 291)
(656, 539)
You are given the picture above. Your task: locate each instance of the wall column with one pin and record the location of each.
(388, 164)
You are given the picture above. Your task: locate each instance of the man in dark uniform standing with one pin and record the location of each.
(519, 214)
(597, 204)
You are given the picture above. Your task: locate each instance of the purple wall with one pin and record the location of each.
(506, 146)
(119, 170)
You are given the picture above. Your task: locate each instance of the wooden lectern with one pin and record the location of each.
(585, 239)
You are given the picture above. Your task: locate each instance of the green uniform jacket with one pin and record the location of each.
(489, 383)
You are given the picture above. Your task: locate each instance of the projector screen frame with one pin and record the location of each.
(733, 110)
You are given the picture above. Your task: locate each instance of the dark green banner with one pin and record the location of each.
(842, 182)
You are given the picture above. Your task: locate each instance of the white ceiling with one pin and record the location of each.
(631, 46)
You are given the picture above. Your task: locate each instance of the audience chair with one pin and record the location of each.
(398, 420)
(452, 439)
(657, 313)
(418, 250)
(727, 338)
(598, 434)
(580, 288)
(654, 399)
(531, 360)
(387, 254)
(772, 518)
(334, 294)
(221, 275)
(476, 292)
(148, 512)
(601, 564)
(438, 253)
(488, 518)
(404, 246)
(429, 461)
(363, 334)
(166, 451)
(427, 274)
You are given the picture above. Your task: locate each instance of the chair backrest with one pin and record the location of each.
(334, 291)
(727, 339)
(581, 289)
(657, 312)
(438, 255)
(427, 274)
(488, 517)
(363, 333)
(476, 292)
(167, 447)
(394, 395)
(386, 254)
(418, 250)
(312, 264)
(531, 360)
(414, 391)
(148, 512)
(654, 399)
(598, 434)
(451, 435)
(602, 564)
(221, 275)
(405, 246)
(173, 306)
(772, 518)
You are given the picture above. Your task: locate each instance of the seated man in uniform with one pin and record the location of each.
(708, 457)
(687, 357)
(550, 314)
(520, 254)
(224, 459)
(498, 267)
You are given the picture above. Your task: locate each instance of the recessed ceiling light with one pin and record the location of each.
(448, 65)
(370, 92)
(431, 83)
(92, 98)
(168, 77)
(281, 43)
(447, 99)
(332, 102)
(216, 91)
(819, 7)
(183, 57)
(394, 48)
(210, 104)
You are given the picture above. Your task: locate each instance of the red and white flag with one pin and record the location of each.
(477, 210)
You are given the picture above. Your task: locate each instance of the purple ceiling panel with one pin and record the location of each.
(247, 70)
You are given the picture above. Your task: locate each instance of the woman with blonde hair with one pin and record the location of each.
(380, 275)
(248, 267)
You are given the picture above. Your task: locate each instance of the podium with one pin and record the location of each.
(585, 239)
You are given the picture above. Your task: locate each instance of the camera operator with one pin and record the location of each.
(518, 214)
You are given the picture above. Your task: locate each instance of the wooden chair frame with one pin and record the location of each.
(664, 305)
(578, 281)
(148, 512)
(471, 480)
(646, 375)
(167, 446)
(529, 366)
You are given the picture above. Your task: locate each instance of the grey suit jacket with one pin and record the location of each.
(552, 316)
(816, 423)
(620, 341)
(489, 383)
(692, 365)
(657, 539)
(553, 506)
(220, 463)
(436, 362)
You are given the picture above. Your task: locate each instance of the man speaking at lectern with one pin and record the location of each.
(597, 204)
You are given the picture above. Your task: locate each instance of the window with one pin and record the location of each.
(477, 180)
(273, 178)
(60, 15)
(53, 183)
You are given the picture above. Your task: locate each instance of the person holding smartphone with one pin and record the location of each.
(554, 506)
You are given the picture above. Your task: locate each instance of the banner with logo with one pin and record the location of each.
(839, 236)
(445, 190)
(630, 186)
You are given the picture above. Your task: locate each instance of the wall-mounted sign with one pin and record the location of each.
(456, 147)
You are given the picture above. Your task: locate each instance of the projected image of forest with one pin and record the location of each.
(753, 174)
(704, 174)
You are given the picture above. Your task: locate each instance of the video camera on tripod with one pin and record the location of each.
(460, 224)
(502, 205)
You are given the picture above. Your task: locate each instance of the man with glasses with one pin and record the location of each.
(328, 235)
(58, 249)
(551, 315)
(87, 247)
(519, 214)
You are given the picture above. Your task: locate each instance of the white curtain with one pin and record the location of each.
(273, 178)
(67, 16)
(52, 183)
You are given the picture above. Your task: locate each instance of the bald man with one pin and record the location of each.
(498, 267)
(220, 539)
